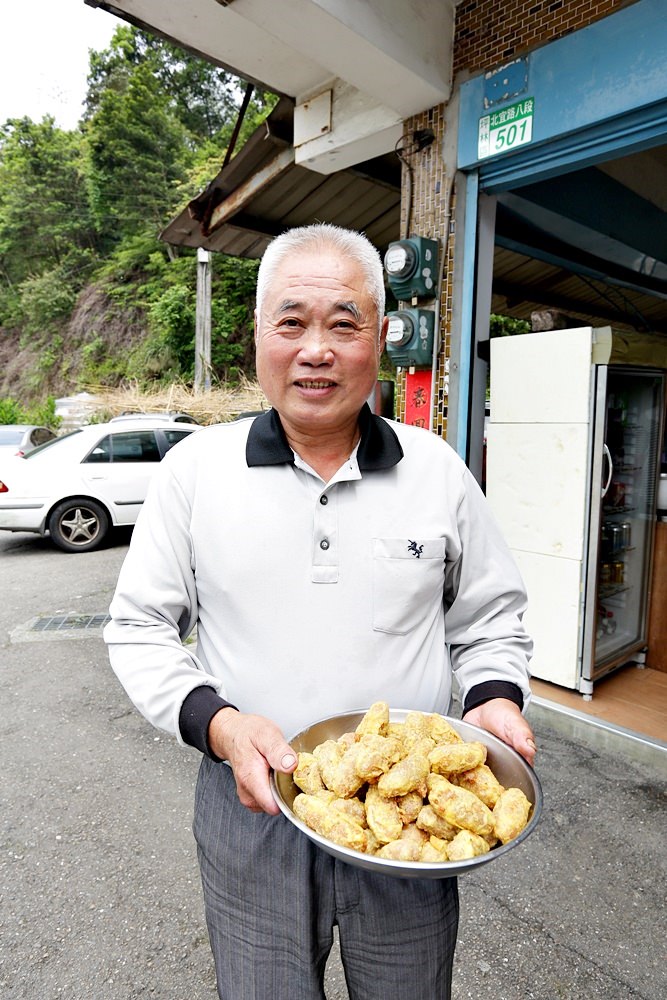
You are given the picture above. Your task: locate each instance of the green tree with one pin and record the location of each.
(507, 326)
(45, 299)
(45, 222)
(172, 318)
(204, 98)
(88, 293)
(232, 304)
(137, 153)
(11, 412)
(44, 414)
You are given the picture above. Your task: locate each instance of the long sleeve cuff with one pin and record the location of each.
(196, 713)
(489, 690)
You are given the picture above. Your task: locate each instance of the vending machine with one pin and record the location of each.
(573, 462)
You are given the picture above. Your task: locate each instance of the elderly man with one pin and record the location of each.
(329, 559)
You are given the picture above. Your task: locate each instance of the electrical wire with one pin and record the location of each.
(628, 306)
(408, 166)
(421, 139)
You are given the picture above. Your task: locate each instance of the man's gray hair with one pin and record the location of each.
(322, 237)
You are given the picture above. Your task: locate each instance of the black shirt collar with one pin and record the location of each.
(379, 447)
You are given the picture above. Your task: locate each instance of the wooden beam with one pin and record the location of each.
(240, 197)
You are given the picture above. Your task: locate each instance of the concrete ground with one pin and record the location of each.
(99, 888)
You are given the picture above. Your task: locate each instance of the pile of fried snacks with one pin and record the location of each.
(407, 791)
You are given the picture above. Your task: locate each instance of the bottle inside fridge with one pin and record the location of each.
(633, 448)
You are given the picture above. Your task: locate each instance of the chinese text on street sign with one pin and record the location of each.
(503, 130)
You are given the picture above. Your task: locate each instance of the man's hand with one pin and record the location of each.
(504, 719)
(252, 745)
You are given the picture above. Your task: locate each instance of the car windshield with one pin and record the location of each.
(9, 435)
(40, 449)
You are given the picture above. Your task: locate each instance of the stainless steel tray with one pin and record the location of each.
(508, 766)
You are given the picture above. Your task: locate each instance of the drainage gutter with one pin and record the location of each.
(597, 733)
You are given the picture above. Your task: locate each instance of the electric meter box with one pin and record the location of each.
(410, 336)
(412, 268)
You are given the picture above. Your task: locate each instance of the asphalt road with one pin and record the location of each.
(99, 887)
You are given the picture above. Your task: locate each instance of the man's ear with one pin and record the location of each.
(256, 324)
(383, 335)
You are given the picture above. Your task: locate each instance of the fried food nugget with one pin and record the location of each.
(373, 845)
(416, 733)
(364, 761)
(346, 740)
(344, 779)
(440, 730)
(466, 845)
(422, 745)
(354, 808)
(407, 848)
(328, 755)
(453, 758)
(382, 816)
(409, 806)
(483, 782)
(395, 729)
(412, 833)
(434, 850)
(410, 738)
(510, 814)
(429, 821)
(399, 850)
(404, 776)
(307, 774)
(376, 754)
(491, 839)
(329, 822)
(375, 720)
(458, 806)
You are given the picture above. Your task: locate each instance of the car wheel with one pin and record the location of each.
(78, 525)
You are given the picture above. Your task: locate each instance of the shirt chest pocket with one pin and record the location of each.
(408, 579)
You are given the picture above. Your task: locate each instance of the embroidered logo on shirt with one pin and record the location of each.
(415, 549)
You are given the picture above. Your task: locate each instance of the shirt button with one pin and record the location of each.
(324, 499)
(324, 544)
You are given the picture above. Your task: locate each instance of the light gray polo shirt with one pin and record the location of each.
(314, 598)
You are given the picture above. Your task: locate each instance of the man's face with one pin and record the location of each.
(318, 343)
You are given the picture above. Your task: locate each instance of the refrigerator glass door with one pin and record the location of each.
(630, 465)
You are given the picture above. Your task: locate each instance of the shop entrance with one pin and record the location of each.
(584, 248)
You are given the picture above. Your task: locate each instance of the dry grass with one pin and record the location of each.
(214, 406)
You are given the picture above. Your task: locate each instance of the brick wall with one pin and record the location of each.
(429, 216)
(487, 34)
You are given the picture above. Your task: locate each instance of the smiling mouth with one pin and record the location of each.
(314, 383)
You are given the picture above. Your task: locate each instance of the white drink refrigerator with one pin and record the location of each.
(574, 446)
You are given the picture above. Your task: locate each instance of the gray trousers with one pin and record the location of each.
(272, 898)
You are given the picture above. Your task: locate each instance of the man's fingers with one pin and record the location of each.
(504, 719)
(252, 785)
(276, 751)
(287, 762)
(527, 747)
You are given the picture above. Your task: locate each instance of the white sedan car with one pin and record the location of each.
(19, 439)
(82, 484)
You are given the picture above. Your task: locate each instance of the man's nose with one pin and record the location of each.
(316, 347)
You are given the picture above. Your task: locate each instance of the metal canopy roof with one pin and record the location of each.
(261, 192)
(523, 284)
(591, 243)
(559, 244)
